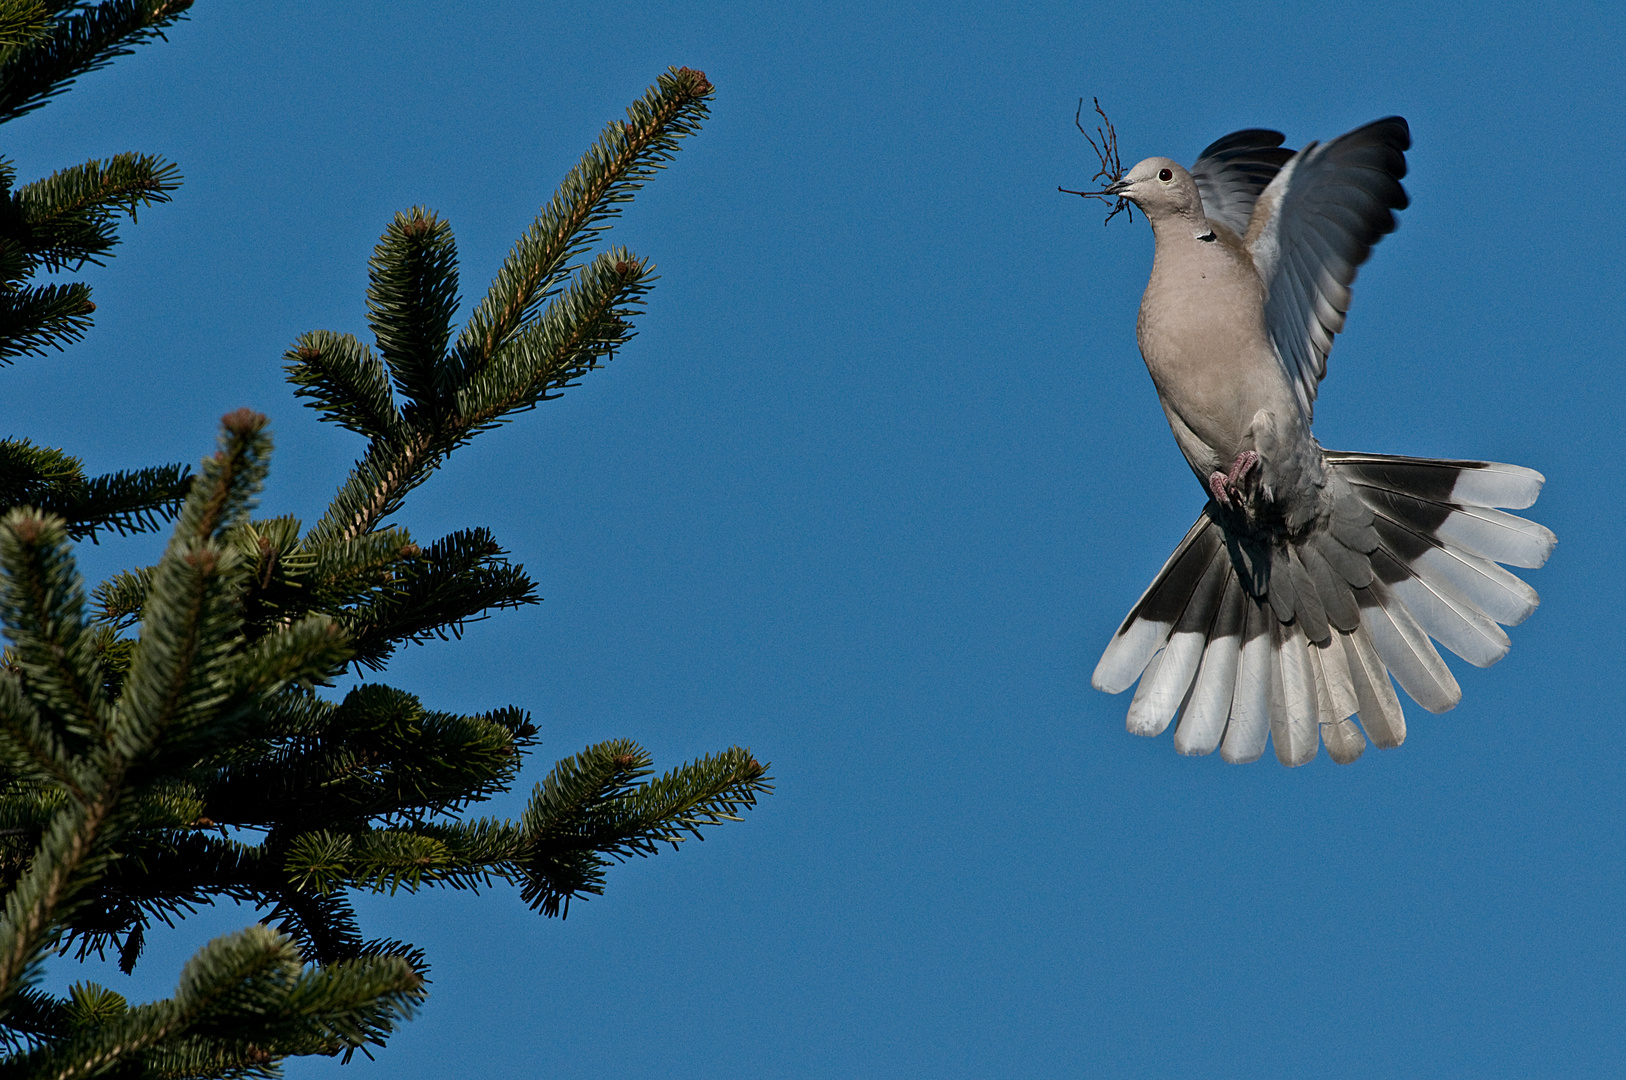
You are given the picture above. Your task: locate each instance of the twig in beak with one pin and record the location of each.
(1112, 169)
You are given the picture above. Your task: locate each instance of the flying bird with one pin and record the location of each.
(1311, 575)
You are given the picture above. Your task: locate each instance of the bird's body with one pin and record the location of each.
(1311, 575)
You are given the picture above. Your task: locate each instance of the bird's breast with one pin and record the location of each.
(1202, 334)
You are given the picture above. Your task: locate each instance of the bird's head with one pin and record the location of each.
(1162, 188)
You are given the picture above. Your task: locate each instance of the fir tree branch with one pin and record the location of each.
(122, 502)
(42, 604)
(411, 297)
(589, 809)
(67, 859)
(345, 381)
(33, 1018)
(30, 745)
(30, 473)
(22, 22)
(324, 924)
(585, 324)
(119, 599)
(350, 572)
(625, 157)
(457, 580)
(36, 318)
(129, 767)
(178, 671)
(378, 755)
(54, 483)
(245, 999)
(83, 41)
(68, 219)
(376, 487)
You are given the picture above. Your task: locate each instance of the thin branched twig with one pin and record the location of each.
(1112, 168)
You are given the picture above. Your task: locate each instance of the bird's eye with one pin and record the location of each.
(1165, 175)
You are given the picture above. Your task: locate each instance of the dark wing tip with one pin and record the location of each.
(1391, 131)
(1246, 139)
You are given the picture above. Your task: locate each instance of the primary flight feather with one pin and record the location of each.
(1312, 575)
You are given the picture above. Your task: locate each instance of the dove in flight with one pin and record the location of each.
(1311, 575)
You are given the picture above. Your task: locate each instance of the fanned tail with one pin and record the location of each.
(1412, 551)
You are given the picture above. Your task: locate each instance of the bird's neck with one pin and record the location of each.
(1181, 227)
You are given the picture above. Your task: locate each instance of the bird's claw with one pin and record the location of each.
(1226, 486)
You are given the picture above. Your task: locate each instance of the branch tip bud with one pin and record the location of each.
(420, 224)
(697, 80)
(244, 421)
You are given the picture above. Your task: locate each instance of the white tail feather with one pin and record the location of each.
(1452, 621)
(1245, 735)
(1481, 583)
(1406, 651)
(1495, 484)
(1498, 536)
(1295, 727)
(1202, 720)
(1377, 704)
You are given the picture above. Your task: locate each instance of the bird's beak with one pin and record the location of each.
(1116, 189)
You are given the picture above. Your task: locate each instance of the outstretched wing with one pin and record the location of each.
(1232, 172)
(1314, 224)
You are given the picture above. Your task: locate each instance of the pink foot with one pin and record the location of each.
(1224, 485)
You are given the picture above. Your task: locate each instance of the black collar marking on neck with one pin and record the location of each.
(1207, 237)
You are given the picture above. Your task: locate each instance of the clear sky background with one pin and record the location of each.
(873, 487)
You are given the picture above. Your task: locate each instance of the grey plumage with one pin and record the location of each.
(1311, 577)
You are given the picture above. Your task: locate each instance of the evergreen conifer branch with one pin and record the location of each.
(378, 755)
(377, 486)
(62, 222)
(456, 580)
(119, 599)
(29, 473)
(54, 483)
(243, 1002)
(34, 1017)
(22, 22)
(626, 156)
(411, 297)
(32, 747)
(142, 776)
(323, 925)
(483, 380)
(79, 39)
(591, 809)
(586, 322)
(178, 670)
(36, 318)
(42, 606)
(122, 502)
(70, 853)
(70, 217)
(345, 381)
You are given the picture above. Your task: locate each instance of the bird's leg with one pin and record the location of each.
(1225, 486)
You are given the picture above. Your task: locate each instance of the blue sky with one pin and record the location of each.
(872, 488)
